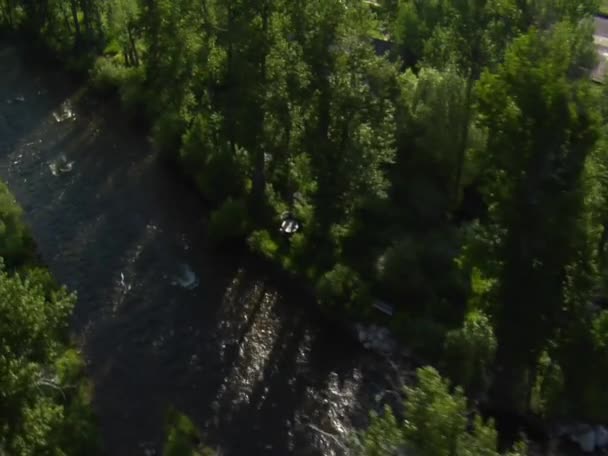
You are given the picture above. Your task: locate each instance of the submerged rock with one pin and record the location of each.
(123, 283)
(375, 338)
(64, 113)
(588, 438)
(148, 449)
(17, 99)
(61, 166)
(585, 440)
(601, 437)
(186, 278)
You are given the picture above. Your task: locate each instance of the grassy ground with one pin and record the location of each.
(604, 7)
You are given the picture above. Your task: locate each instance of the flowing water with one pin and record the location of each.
(162, 318)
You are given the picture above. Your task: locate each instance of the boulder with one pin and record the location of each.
(375, 338)
(601, 437)
(585, 438)
(186, 278)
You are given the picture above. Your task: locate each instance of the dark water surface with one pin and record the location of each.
(246, 357)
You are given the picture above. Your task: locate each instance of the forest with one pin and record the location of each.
(448, 157)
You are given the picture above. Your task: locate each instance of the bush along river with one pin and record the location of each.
(162, 318)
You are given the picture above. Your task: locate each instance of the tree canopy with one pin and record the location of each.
(446, 156)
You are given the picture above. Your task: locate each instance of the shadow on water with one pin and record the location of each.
(255, 366)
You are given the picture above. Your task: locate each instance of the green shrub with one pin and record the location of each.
(418, 270)
(437, 422)
(42, 277)
(113, 48)
(79, 434)
(229, 222)
(299, 252)
(470, 352)
(275, 200)
(343, 287)
(131, 90)
(46, 397)
(182, 437)
(383, 437)
(402, 275)
(548, 387)
(338, 234)
(108, 75)
(262, 242)
(167, 132)
(219, 171)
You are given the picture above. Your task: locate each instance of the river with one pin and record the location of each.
(249, 359)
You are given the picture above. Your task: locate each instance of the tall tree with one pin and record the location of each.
(436, 425)
(542, 124)
(122, 19)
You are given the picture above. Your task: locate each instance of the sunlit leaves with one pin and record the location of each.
(436, 423)
(15, 241)
(470, 351)
(542, 124)
(36, 413)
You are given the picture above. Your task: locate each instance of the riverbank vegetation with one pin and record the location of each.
(447, 157)
(182, 438)
(44, 396)
(438, 424)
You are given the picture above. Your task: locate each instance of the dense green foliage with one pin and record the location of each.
(437, 424)
(44, 398)
(16, 244)
(461, 176)
(182, 437)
